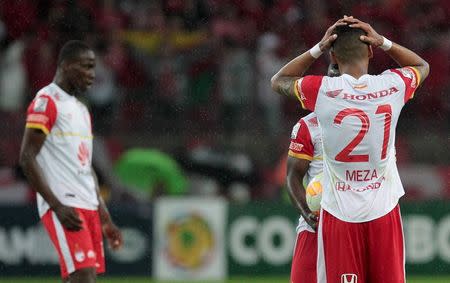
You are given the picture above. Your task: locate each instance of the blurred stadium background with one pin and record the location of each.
(191, 142)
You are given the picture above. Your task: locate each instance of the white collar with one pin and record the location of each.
(355, 79)
(61, 93)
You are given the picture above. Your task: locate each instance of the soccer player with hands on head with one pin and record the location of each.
(360, 236)
(56, 157)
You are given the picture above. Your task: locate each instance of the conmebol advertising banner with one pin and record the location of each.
(261, 237)
(189, 239)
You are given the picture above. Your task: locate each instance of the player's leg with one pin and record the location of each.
(386, 249)
(341, 251)
(95, 228)
(305, 258)
(83, 275)
(72, 247)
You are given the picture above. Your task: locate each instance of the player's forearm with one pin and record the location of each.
(37, 181)
(283, 81)
(297, 194)
(105, 217)
(405, 57)
(102, 208)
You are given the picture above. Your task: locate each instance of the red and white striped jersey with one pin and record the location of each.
(306, 143)
(358, 118)
(65, 157)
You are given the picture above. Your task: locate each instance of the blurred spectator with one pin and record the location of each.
(102, 96)
(170, 83)
(13, 77)
(40, 61)
(235, 84)
(268, 63)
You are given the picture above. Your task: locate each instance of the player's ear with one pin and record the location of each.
(333, 57)
(64, 65)
(370, 51)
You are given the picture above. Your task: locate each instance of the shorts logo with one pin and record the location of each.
(80, 256)
(91, 254)
(349, 278)
(40, 104)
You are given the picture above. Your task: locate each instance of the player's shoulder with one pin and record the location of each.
(305, 123)
(394, 79)
(395, 74)
(310, 120)
(49, 92)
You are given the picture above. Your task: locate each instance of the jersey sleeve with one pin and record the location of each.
(307, 89)
(411, 77)
(41, 114)
(301, 145)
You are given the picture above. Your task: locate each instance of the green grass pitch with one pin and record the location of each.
(411, 279)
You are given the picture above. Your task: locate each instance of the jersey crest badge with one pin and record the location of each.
(40, 104)
(408, 73)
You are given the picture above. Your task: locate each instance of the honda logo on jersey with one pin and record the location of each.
(349, 278)
(83, 153)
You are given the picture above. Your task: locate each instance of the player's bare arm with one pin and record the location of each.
(32, 143)
(296, 170)
(110, 230)
(283, 82)
(402, 55)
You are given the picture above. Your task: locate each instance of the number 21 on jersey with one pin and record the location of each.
(345, 154)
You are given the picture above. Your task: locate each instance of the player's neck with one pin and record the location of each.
(355, 70)
(64, 84)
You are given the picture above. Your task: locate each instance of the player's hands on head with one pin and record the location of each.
(113, 235)
(329, 37)
(372, 37)
(312, 219)
(68, 217)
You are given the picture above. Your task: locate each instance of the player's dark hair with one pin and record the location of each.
(71, 50)
(348, 47)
